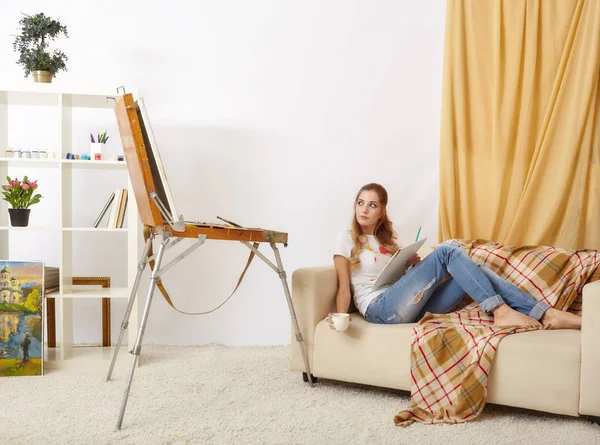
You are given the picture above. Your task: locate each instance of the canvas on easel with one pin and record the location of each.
(158, 170)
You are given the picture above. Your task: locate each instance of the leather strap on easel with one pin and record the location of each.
(163, 291)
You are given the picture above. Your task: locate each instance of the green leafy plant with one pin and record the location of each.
(36, 31)
(19, 194)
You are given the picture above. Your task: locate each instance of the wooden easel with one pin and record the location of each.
(156, 210)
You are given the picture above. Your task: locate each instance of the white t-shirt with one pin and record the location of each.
(372, 262)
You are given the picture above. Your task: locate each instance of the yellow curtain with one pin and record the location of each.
(519, 157)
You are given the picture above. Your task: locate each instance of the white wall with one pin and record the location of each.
(271, 114)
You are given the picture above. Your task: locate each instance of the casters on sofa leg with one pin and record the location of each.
(305, 378)
(594, 419)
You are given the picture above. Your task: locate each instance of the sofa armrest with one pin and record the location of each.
(313, 293)
(589, 399)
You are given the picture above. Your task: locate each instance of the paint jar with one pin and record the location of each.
(16, 153)
(35, 154)
(8, 153)
(26, 154)
(43, 154)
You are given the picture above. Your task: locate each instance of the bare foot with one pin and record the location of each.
(505, 316)
(555, 319)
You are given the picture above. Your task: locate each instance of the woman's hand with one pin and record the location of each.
(413, 260)
(330, 321)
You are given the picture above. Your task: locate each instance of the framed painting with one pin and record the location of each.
(21, 318)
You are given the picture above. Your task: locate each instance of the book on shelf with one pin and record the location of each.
(114, 211)
(122, 207)
(51, 279)
(117, 202)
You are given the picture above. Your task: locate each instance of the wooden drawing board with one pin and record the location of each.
(137, 160)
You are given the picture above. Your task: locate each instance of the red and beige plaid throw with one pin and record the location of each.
(452, 353)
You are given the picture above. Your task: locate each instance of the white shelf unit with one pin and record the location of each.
(60, 106)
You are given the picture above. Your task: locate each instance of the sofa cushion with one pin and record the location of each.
(372, 354)
(535, 370)
(538, 370)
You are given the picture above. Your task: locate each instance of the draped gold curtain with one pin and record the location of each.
(519, 157)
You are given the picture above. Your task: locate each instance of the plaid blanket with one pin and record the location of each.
(452, 353)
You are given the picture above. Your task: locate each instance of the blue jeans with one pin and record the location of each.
(421, 290)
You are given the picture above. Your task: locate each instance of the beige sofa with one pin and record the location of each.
(553, 371)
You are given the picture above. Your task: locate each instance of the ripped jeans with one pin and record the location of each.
(421, 290)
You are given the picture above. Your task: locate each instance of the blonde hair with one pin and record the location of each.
(384, 231)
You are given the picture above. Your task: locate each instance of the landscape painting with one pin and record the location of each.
(21, 316)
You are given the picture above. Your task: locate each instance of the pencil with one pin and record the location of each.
(418, 232)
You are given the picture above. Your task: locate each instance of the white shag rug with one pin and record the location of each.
(223, 395)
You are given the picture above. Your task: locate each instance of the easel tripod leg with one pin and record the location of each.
(138, 343)
(136, 285)
(288, 297)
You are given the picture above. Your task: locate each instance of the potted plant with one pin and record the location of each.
(36, 31)
(20, 196)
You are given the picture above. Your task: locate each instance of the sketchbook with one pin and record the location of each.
(396, 266)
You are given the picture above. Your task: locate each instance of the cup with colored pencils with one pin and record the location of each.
(97, 145)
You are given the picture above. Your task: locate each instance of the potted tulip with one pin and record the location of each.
(19, 194)
(32, 44)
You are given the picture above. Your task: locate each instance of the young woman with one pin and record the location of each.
(362, 252)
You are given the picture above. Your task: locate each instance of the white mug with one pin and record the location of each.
(340, 321)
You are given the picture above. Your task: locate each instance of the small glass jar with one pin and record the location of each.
(43, 154)
(16, 153)
(35, 154)
(26, 154)
(52, 155)
(8, 153)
